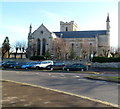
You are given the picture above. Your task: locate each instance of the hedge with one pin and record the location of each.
(105, 59)
(37, 58)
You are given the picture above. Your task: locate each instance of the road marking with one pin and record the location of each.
(81, 96)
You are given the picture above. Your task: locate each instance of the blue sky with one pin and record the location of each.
(89, 15)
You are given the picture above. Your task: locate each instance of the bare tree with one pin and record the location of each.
(32, 49)
(115, 52)
(67, 50)
(85, 49)
(104, 50)
(61, 48)
(20, 45)
(57, 47)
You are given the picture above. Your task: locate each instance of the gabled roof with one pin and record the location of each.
(80, 34)
(41, 26)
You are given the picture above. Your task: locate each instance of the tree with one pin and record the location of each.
(72, 54)
(67, 50)
(115, 52)
(20, 45)
(58, 44)
(61, 48)
(47, 55)
(104, 50)
(6, 48)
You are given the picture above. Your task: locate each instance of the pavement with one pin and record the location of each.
(15, 95)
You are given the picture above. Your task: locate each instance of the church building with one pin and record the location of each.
(95, 41)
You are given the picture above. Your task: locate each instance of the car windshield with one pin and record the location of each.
(21, 63)
(30, 63)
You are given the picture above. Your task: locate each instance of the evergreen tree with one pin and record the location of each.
(5, 48)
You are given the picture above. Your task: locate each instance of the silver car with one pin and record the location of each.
(43, 64)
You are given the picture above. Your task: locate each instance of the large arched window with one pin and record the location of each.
(38, 47)
(90, 47)
(43, 47)
(72, 46)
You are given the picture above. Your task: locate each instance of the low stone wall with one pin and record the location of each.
(106, 65)
(16, 60)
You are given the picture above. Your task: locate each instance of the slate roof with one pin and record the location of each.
(80, 34)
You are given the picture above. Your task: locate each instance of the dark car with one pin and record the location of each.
(19, 65)
(9, 64)
(75, 67)
(1, 64)
(56, 66)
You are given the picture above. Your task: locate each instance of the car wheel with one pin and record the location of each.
(51, 68)
(68, 69)
(37, 68)
(82, 70)
(26, 68)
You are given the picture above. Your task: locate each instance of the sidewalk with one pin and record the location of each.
(19, 95)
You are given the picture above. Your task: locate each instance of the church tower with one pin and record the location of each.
(30, 31)
(68, 26)
(30, 42)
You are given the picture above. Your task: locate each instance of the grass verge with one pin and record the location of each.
(105, 78)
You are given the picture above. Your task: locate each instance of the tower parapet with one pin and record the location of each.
(68, 26)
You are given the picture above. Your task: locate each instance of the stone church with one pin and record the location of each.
(41, 40)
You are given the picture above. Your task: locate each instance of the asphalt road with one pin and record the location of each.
(68, 82)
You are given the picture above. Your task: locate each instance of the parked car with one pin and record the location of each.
(28, 65)
(19, 65)
(56, 66)
(1, 64)
(76, 67)
(34, 64)
(43, 64)
(9, 64)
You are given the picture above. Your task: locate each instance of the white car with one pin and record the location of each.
(43, 64)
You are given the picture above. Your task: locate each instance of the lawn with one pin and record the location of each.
(105, 78)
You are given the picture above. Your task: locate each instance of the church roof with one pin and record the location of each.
(80, 34)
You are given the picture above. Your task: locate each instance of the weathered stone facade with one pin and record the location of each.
(68, 26)
(41, 40)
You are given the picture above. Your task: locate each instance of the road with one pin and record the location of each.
(68, 82)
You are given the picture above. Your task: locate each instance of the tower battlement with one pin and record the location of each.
(68, 26)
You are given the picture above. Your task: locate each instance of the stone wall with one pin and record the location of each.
(16, 60)
(106, 65)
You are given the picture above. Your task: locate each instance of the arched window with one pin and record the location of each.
(72, 46)
(43, 47)
(38, 47)
(66, 28)
(90, 47)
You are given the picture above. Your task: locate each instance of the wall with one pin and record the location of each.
(17, 60)
(107, 65)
